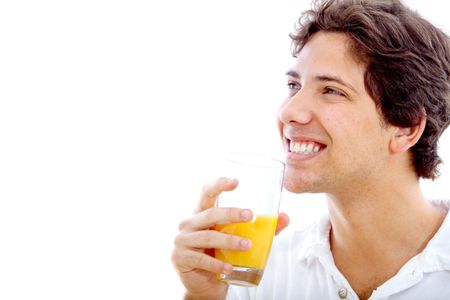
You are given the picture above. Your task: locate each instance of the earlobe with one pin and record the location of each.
(404, 138)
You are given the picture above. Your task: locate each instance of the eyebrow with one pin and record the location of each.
(324, 78)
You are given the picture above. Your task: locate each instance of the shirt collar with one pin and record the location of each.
(436, 253)
(317, 239)
(435, 257)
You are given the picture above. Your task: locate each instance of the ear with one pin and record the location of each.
(404, 138)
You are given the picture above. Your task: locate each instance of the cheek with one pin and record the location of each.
(348, 123)
(279, 124)
(339, 126)
(280, 128)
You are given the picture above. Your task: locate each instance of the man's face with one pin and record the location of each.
(332, 132)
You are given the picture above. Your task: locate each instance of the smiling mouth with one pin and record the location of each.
(305, 148)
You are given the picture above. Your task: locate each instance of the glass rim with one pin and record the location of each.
(239, 158)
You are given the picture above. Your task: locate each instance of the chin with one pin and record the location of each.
(294, 189)
(299, 182)
(296, 186)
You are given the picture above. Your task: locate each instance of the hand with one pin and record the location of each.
(194, 245)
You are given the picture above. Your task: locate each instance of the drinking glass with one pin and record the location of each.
(260, 183)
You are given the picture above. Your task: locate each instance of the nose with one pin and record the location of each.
(296, 109)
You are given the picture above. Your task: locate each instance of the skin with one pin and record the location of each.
(328, 104)
(192, 255)
(378, 215)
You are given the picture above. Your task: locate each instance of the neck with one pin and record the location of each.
(390, 215)
(376, 230)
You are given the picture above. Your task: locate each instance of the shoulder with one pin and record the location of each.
(441, 203)
(437, 247)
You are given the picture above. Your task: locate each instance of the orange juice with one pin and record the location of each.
(260, 232)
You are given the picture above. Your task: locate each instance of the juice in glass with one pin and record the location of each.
(248, 266)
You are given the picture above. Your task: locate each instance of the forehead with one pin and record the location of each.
(330, 53)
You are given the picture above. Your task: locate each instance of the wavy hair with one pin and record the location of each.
(407, 63)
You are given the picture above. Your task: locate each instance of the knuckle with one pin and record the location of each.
(182, 261)
(232, 241)
(178, 240)
(205, 189)
(210, 192)
(212, 215)
(206, 237)
(206, 262)
(211, 189)
(232, 213)
(183, 224)
(220, 181)
(175, 257)
(189, 260)
(209, 212)
(197, 260)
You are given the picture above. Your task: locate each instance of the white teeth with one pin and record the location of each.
(304, 148)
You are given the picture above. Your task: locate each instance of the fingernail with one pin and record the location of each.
(244, 243)
(230, 180)
(227, 269)
(245, 215)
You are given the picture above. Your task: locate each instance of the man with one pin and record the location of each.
(370, 91)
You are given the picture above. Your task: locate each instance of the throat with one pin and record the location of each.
(368, 251)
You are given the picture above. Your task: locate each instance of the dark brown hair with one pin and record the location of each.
(407, 65)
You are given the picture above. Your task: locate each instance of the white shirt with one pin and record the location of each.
(301, 266)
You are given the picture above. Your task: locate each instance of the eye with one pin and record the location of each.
(333, 91)
(291, 85)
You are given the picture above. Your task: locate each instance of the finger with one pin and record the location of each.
(215, 215)
(213, 189)
(188, 260)
(208, 239)
(283, 222)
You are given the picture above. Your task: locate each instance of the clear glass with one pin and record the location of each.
(260, 183)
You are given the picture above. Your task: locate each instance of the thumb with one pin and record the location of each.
(283, 222)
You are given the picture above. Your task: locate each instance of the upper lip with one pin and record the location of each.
(294, 136)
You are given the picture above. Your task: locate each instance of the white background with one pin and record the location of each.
(110, 114)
